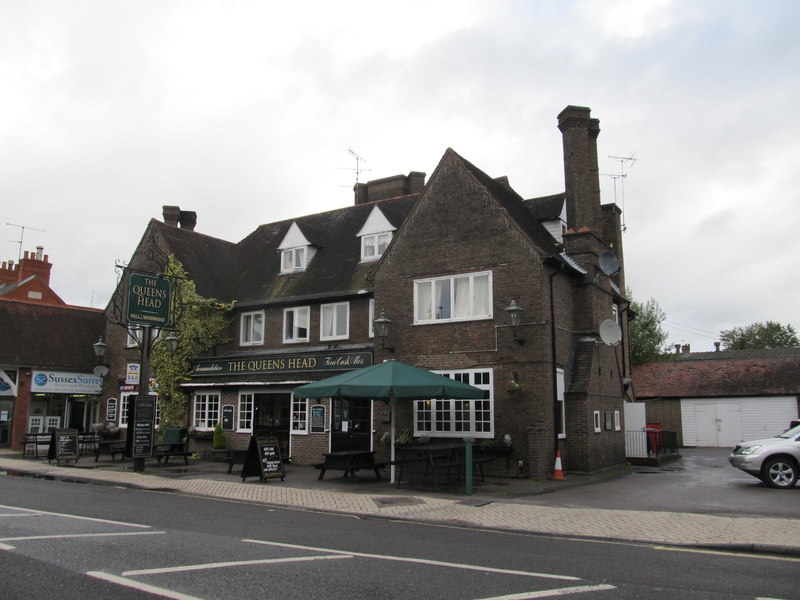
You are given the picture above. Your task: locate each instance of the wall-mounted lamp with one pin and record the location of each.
(101, 370)
(172, 343)
(382, 324)
(514, 313)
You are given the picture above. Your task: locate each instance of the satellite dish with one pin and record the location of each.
(609, 263)
(610, 332)
(101, 370)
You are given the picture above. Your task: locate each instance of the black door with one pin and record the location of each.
(271, 418)
(351, 425)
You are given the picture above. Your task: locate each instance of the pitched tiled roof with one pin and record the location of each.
(41, 336)
(547, 208)
(721, 374)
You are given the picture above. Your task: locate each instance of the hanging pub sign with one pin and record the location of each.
(63, 445)
(263, 459)
(318, 418)
(149, 299)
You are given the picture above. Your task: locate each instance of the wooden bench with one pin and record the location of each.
(175, 443)
(236, 457)
(459, 465)
(350, 470)
(111, 447)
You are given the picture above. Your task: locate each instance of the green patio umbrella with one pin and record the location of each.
(390, 380)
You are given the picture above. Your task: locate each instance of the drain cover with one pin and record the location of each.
(397, 501)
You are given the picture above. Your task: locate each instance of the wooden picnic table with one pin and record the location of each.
(349, 461)
(434, 463)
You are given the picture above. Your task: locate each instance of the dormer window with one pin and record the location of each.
(375, 235)
(296, 251)
(293, 259)
(373, 246)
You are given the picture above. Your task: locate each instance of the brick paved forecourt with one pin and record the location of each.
(671, 528)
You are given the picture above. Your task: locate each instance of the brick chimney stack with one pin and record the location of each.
(581, 175)
(34, 265)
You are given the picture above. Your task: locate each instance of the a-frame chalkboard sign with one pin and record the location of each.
(263, 459)
(64, 445)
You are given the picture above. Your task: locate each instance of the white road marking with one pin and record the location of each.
(581, 589)
(422, 561)
(36, 514)
(78, 535)
(129, 583)
(55, 514)
(727, 553)
(234, 563)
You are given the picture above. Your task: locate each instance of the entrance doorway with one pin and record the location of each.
(271, 413)
(351, 425)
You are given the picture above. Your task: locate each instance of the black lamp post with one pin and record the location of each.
(514, 313)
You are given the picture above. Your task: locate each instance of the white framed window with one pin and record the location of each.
(334, 321)
(561, 413)
(205, 411)
(124, 404)
(245, 415)
(373, 246)
(295, 324)
(371, 326)
(299, 415)
(617, 421)
(455, 298)
(293, 259)
(458, 418)
(252, 328)
(597, 422)
(133, 334)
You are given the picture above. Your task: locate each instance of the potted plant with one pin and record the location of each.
(219, 443)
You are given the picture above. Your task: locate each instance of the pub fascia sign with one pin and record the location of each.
(149, 298)
(288, 363)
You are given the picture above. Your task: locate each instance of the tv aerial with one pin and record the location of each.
(623, 161)
(359, 169)
(22, 236)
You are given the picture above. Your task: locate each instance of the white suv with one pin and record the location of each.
(775, 461)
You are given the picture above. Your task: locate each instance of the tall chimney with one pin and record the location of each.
(188, 219)
(581, 175)
(171, 215)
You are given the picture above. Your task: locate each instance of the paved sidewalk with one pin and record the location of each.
(368, 497)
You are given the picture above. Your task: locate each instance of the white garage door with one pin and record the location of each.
(724, 422)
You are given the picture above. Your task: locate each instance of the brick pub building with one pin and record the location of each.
(443, 260)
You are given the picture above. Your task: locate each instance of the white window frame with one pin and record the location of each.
(371, 326)
(294, 259)
(329, 320)
(294, 311)
(209, 416)
(133, 334)
(124, 404)
(251, 331)
(617, 421)
(597, 421)
(244, 412)
(299, 416)
(560, 387)
(374, 245)
(426, 292)
(458, 418)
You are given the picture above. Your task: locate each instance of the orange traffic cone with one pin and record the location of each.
(558, 474)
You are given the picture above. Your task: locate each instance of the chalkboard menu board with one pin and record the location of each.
(144, 419)
(263, 459)
(318, 418)
(227, 417)
(64, 445)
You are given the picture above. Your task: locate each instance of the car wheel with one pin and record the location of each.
(780, 473)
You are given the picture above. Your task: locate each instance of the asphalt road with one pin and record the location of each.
(702, 481)
(69, 540)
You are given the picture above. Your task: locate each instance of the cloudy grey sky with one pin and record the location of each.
(244, 112)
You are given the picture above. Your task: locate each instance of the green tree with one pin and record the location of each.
(646, 336)
(200, 323)
(758, 336)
